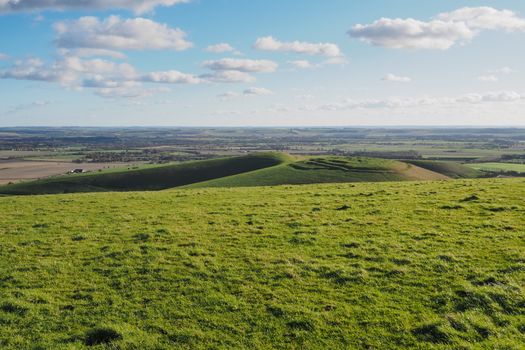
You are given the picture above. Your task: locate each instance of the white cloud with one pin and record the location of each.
(302, 64)
(3, 57)
(109, 79)
(138, 6)
(485, 18)
(493, 76)
(35, 69)
(488, 78)
(228, 76)
(396, 78)
(171, 77)
(114, 33)
(242, 65)
(412, 34)
(441, 33)
(413, 102)
(255, 91)
(252, 91)
(336, 61)
(323, 49)
(92, 53)
(220, 48)
(503, 96)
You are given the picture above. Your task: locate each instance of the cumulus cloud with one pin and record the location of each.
(256, 91)
(493, 76)
(242, 65)
(485, 18)
(114, 33)
(228, 76)
(137, 6)
(302, 64)
(323, 49)
(171, 77)
(336, 61)
(220, 48)
(441, 33)
(396, 78)
(3, 57)
(109, 79)
(412, 102)
(252, 91)
(92, 53)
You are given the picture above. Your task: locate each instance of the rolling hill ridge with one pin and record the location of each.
(258, 169)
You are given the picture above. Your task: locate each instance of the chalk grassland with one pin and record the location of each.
(408, 265)
(327, 170)
(451, 169)
(14, 171)
(258, 169)
(499, 167)
(148, 178)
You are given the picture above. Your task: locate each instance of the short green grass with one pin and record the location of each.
(499, 167)
(147, 178)
(411, 265)
(451, 169)
(326, 170)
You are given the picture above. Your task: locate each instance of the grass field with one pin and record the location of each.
(148, 177)
(409, 265)
(258, 169)
(499, 167)
(450, 169)
(327, 170)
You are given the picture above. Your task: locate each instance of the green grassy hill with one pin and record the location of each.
(148, 179)
(451, 169)
(406, 265)
(263, 169)
(327, 170)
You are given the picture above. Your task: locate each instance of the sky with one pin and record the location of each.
(262, 63)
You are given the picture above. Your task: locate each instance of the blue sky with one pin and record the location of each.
(262, 62)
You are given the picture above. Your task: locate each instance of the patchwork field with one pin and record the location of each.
(14, 171)
(499, 167)
(408, 265)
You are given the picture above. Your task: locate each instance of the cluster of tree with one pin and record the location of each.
(148, 155)
(379, 154)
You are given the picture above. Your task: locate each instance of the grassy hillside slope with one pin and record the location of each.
(451, 169)
(156, 178)
(408, 265)
(327, 170)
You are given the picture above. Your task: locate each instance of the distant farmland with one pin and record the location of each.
(14, 171)
(499, 167)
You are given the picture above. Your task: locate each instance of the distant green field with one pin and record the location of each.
(497, 167)
(451, 169)
(406, 265)
(327, 170)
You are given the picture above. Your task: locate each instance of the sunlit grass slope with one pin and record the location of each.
(327, 170)
(155, 178)
(451, 169)
(405, 265)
